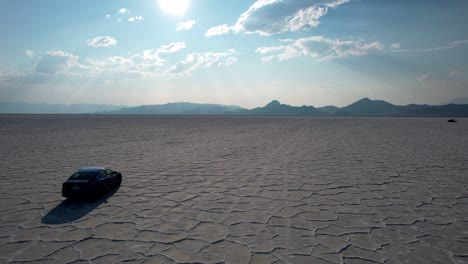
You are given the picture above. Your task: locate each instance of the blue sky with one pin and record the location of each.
(247, 53)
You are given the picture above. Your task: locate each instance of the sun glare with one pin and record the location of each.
(174, 7)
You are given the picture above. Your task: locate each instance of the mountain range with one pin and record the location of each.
(182, 108)
(363, 107)
(42, 108)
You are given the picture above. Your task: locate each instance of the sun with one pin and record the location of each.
(174, 7)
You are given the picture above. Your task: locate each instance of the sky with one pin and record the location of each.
(246, 53)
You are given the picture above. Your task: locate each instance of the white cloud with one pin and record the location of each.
(123, 10)
(56, 62)
(101, 41)
(132, 19)
(230, 61)
(269, 17)
(146, 63)
(218, 30)
(395, 46)
(186, 25)
(320, 48)
(426, 77)
(107, 15)
(196, 61)
(29, 53)
(171, 48)
(268, 58)
(264, 50)
(137, 65)
(304, 18)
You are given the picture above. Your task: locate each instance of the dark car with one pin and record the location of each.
(91, 183)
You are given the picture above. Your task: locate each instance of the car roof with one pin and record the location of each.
(92, 169)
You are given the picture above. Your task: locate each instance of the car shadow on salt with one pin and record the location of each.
(71, 210)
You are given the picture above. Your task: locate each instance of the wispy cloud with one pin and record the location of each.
(395, 46)
(450, 45)
(186, 25)
(218, 30)
(426, 77)
(319, 48)
(101, 41)
(28, 53)
(123, 10)
(269, 17)
(197, 60)
(171, 47)
(56, 62)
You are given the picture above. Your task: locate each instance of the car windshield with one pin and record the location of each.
(83, 175)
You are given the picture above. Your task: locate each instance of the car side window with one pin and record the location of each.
(102, 174)
(108, 171)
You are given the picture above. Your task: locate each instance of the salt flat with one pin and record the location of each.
(236, 189)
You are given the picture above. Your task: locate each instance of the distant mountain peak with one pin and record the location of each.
(276, 108)
(274, 103)
(370, 107)
(364, 100)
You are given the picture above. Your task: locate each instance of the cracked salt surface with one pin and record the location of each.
(236, 190)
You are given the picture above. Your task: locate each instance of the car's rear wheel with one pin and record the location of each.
(100, 192)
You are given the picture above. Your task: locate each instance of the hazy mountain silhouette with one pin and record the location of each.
(329, 109)
(276, 108)
(181, 108)
(367, 106)
(455, 110)
(459, 100)
(42, 108)
(363, 107)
